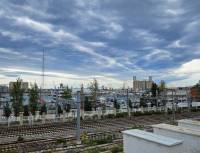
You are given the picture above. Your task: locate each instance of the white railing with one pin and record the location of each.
(72, 114)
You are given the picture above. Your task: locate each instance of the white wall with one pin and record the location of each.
(191, 143)
(195, 125)
(150, 143)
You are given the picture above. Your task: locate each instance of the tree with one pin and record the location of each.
(162, 86)
(26, 110)
(34, 98)
(116, 104)
(16, 94)
(154, 90)
(7, 110)
(82, 97)
(67, 108)
(143, 102)
(67, 94)
(130, 104)
(43, 109)
(94, 91)
(60, 111)
(88, 105)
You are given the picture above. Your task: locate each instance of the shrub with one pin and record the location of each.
(124, 114)
(61, 141)
(110, 116)
(117, 149)
(20, 139)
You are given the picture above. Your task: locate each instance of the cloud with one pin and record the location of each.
(34, 75)
(147, 37)
(13, 35)
(176, 44)
(38, 26)
(100, 37)
(175, 12)
(190, 71)
(158, 54)
(188, 68)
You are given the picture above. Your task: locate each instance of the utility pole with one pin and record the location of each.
(173, 109)
(78, 118)
(56, 90)
(189, 99)
(42, 84)
(128, 108)
(43, 69)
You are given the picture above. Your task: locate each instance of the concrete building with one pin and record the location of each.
(190, 137)
(191, 124)
(25, 85)
(166, 138)
(195, 93)
(138, 141)
(180, 96)
(139, 85)
(3, 89)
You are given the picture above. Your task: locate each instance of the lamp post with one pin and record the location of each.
(128, 108)
(78, 118)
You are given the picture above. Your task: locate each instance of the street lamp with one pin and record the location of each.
(78, 117)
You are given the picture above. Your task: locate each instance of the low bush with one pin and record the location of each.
(20, 139)
(117, 149)
(124, 114)
(8, 151)
(61, 141)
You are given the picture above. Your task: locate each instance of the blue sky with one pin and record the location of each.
(110, 40)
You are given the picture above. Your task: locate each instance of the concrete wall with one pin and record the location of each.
(191, 141)
(133, 144)
(195, 125)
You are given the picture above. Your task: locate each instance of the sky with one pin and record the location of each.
(110, 40)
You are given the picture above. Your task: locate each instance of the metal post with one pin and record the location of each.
(189, 100)
(128, 108)
(173, 109)
(78, 118)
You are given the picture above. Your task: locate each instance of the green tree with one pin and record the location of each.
(162, 86)
(94, 91)
(26, 110)
(82, 97)
(43, 109)
(67, 108)
(60, 111)
(88, 105)
(143, 102)
(34, 98)
(116, 104)
(130, 104)
(67, 94)
(154, 90)
(16, 94)
(7, 110)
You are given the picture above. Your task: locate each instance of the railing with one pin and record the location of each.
(84, 114)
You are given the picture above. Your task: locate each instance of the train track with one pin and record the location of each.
(42, 137)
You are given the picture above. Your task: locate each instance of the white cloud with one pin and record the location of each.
(11, 54)
(146, 36)
(58, 77)
(191, 67)
(158, 54)
(175, 12)
(176, 44)
(13, 35)
(25, 21)
(190, 71)
(76, 42)
(8, 51)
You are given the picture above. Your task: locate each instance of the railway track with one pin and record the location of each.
(41, 137)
